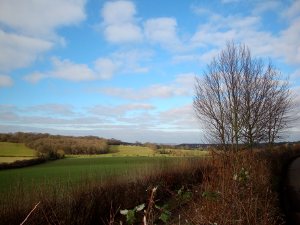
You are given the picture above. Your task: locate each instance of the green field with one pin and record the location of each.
(68, 172)
(10, 152)
(127, 162)
(9, 159)
(125, 150)
(15, 150)
(64, 180)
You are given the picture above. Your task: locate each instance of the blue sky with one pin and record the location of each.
(125, 69)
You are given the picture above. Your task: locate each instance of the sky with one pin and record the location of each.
(126, 69)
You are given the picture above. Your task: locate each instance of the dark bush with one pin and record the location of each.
(22, 163)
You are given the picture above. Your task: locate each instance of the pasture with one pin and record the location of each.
(59, 180)
(10, 152)
(75, 170)
(126, 162)
(129, 150)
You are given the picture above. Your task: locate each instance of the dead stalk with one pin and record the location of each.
(30, 213)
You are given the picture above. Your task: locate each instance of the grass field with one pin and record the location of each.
(69, 181)
(127, 162)
(74, 170)
(59, 180)
(125, 150)
(10, 159)
(10, 152)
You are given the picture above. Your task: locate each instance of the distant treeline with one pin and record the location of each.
(55, 146)
(193, 146)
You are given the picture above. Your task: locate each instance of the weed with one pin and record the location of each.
(131, 213)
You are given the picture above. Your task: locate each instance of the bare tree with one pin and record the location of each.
(209, 100)
(239, 99)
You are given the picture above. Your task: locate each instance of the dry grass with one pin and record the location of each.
(226, 189)
(238, 191)
(241, 189)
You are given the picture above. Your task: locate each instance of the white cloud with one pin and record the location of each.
(131, 117)
(28, 28)
(220, 29)
(119, 24)
(121, 62)
(288, 43)
(125, 133)
(180, 118)
(123, 33)
(47, 116)
(105, 68)
(53, 109)
(118, 12)
(132, 61)
(186, 80)
(35, 77)
(137, 106)
(181, 86)
(40, 18)
(293, 10)
(5, 81)
(19, 50)
(143, 116)
(213, 35)
(147, 117)
(162, 31)
(64, 69)
(154, 91)
(263, 6)
(202, 59)
(66, 117)
(67, 70)
(120, 111)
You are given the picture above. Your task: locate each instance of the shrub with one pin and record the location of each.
(22, 163)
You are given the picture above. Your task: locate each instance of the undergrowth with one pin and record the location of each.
(227, 188)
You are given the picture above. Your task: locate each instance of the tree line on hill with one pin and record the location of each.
(56, 146)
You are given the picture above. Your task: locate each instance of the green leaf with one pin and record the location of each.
(186, 195)
(165, 206)
(165, 216)
(130, 217)
(124, 211)
(179, 192)
(140, 207)
(158, 207)
(211, 195)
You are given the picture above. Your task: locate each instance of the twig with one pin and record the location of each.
(144, 220)
(148, 212)
(30, 213)
(112, 214)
